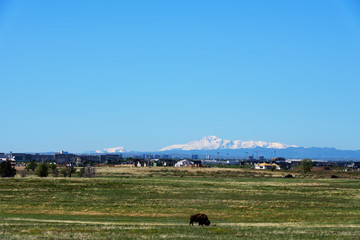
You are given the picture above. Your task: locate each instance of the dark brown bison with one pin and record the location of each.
(200, 218)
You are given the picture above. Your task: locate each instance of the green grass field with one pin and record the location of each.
(156, 203)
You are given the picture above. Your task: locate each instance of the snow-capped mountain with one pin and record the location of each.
(112, 150)
(214, 143)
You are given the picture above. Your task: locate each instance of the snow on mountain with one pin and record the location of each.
(213, 143)
(112, 150)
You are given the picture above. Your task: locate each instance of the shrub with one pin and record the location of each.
(42, 170)
(23, 173)
(31, 166)
(87, 171)
(67, 172)
(306, 165)
(6, 170)
(81, 172)
(72, 170)
(52, 166)
(64, 172)
(55, 172)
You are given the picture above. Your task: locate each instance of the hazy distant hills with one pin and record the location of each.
(217, 147)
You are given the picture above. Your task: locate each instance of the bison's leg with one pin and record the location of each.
(192, 220)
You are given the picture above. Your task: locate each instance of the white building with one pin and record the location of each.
(232, 162)
(184, 163)
(4, 158)
(267, 166)
(209, 162)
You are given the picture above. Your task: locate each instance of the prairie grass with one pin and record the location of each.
(155, 203)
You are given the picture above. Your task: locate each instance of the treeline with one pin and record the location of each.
(45, 169)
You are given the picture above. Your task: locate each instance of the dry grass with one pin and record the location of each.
(151, 202)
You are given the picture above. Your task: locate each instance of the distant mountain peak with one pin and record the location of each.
(214, 143)
(210, 137)
(112, 150)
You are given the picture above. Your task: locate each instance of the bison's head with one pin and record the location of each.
(207, 223)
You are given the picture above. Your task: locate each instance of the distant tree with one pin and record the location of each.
(67, 171)
(6, 170)
(71, 170)
(42, 170)
(55, 172)
(64, 172)
(53, 169)
(87, 171)
(81, 172)
(31, 166)
(52, 166)
(306, 165)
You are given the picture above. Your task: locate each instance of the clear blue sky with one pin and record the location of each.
(86, 75)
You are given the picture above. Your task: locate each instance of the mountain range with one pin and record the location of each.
(113, 150)
(215, 143)
(217, 147)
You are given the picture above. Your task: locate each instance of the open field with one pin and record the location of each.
(155, 203)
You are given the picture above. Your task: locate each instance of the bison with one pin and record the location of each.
(200, 218)
(288, 176)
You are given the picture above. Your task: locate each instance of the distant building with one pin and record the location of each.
(267, 166)
(232, 162)
(209, 162)
(155, 162)
(64, 158)
(43, 158)
(355, 166)
(4, 157)
(21, 157)
(184, 163)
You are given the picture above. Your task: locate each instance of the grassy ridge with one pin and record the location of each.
(153, 202)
